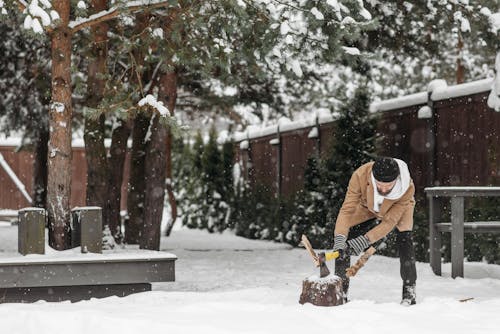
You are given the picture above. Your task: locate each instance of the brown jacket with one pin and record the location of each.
(358, 207)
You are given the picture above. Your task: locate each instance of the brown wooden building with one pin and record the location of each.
(21, 164)
(448, 136)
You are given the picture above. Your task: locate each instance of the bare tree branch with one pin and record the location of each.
(113, 12)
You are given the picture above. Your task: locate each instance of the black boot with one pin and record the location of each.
(408, 268)
(409, 295)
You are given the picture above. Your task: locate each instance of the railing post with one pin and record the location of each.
(31, 231)
(86, 229)
(279, 161)
(435, 207)
(457, 236)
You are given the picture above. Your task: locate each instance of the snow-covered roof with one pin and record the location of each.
(438, 92)
(283, 127)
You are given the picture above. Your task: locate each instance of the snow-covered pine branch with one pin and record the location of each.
(38, 14)
(153, 102)
(106, 15)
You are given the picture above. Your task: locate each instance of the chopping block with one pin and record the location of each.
(325, 291)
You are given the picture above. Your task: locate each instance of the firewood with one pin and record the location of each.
(353, 270)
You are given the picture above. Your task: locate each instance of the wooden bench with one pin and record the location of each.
(457, 226)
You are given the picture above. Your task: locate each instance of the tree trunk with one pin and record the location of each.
(117, 154)
(460, 67)
(40, 170)
(156, 163)
(137, 186)
(59, 147)
(171, 90)
(170, 191)
(95, 152)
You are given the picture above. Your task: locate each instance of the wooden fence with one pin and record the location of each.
(22, 165)
(448, 136)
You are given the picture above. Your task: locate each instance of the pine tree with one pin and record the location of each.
(213, 183)
(229, 189)
(353, 146)
(191, 194)
(24, 67)
(255, 216)
(227, 169)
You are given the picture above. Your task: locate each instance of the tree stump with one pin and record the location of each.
(326, 291)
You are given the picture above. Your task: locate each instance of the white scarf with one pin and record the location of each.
(401, 186)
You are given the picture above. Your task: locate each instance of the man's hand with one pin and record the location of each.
(358, 245)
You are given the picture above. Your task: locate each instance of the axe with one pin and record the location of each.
(320, 260)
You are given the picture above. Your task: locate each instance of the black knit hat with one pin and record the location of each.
(385, 169)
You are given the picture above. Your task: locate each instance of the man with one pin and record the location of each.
(380, 196)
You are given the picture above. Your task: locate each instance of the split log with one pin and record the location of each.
(325, 291)
(353, 270)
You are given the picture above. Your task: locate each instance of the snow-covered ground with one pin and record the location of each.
(227, 284)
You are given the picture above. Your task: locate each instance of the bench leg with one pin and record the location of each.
(457, 237)
(434, 235)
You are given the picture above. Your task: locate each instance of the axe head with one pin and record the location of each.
(323, 269)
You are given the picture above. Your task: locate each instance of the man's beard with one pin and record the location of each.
(384, 193)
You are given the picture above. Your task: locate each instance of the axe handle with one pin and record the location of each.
(309, 248)
(353, 270)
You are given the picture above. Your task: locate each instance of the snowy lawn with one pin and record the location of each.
(227, 284)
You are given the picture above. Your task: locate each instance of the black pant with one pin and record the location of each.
(406, 250)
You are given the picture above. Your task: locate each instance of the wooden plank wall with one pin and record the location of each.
(296, 149)
(22, 164)
(468, 142)
(263, 161)
(259, 162)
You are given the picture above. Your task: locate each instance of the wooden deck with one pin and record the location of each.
(78, 277)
